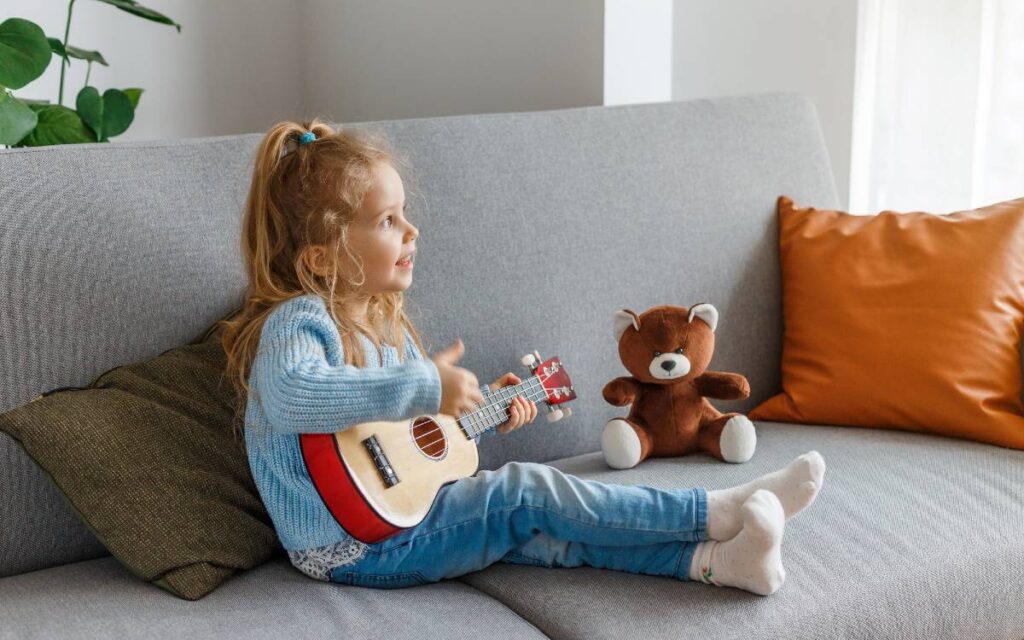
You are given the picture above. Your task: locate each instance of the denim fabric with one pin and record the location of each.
(532, 513)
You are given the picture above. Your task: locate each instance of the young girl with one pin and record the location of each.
(323, 342)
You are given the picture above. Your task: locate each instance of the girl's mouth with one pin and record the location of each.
(405, 264)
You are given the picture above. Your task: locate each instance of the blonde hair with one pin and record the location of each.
(301, 195)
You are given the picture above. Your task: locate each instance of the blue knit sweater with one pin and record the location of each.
(300, 383)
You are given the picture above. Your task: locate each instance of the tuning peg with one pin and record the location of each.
(556, 415)
(528, 360)
(567, 411)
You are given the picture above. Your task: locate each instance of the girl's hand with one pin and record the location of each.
(521, 411)
(460, 390)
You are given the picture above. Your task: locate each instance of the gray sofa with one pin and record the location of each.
(535, 228)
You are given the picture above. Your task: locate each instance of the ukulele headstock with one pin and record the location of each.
(555, 382)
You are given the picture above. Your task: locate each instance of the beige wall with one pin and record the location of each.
(384, 59)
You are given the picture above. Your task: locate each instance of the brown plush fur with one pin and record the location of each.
(673, 417)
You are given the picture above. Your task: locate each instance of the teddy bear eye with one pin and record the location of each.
(679, 350)
(657, 353)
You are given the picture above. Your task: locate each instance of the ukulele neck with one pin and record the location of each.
(494, 410)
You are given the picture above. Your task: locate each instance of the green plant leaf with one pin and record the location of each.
(57, 125)
(109, 115)
(16, 119)
(133, 94)
(24, 52)
(137, 9)
(57, 47)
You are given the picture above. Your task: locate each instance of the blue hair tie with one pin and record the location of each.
(307, 137)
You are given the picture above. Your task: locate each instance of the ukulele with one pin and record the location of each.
(378, 478)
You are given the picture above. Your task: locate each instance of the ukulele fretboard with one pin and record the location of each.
(495, 408)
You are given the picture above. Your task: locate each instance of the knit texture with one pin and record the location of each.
(300, 383)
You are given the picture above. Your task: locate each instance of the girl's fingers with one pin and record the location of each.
(505, 380)
(507, 425)
(521, 411)
(515, 415)
(517, 412)
(526, 412)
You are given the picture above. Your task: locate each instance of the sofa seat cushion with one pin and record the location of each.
(912, 536)
(101, 599)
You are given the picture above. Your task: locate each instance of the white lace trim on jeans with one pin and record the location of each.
(319, 561)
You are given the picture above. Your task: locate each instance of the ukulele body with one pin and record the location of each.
(378, 478)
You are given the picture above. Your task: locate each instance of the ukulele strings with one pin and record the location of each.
(495, 415)
(503, 397)
(532, 393)
(439, 429)
(528, 395)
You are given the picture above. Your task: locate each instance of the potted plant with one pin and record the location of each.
(25, 53)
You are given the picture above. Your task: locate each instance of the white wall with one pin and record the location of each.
(728, 47)
(232, 69)
(385, 59)
(637, 51)
(239, 66)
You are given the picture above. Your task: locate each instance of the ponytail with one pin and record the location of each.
(266, 234)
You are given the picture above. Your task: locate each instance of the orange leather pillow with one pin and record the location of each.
(903, 321)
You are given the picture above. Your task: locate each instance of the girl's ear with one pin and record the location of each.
(314, 257)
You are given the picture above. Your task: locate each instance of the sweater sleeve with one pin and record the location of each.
(301, 392)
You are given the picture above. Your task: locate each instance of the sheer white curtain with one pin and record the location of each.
(939, 105)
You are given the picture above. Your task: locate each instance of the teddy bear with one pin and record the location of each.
(667, 349)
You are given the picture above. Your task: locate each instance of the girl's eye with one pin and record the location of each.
(387, 219)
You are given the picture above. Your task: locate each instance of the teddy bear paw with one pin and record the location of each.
(620, 444)
(738, 439)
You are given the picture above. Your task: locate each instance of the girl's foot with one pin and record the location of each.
(753, 559)
(796, 485)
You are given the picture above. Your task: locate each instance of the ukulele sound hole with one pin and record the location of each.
(429, 437)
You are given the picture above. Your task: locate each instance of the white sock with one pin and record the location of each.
(752, 560)
(796, 485)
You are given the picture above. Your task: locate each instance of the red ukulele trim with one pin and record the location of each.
(339, 492)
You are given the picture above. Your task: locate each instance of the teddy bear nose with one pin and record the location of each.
(668, 365)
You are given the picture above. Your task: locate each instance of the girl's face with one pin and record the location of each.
(381, 236)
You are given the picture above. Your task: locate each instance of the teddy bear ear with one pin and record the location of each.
(706, 312)
(624, 318)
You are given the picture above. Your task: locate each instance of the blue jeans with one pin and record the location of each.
(532, 513)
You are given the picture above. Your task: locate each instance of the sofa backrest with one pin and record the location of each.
(535, 228)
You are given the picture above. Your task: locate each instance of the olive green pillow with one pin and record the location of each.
(146, 456)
